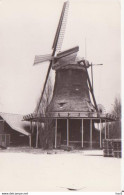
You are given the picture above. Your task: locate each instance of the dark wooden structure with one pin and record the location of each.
(112, 148)
(11, 132)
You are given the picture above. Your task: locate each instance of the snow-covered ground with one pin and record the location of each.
(59, 171)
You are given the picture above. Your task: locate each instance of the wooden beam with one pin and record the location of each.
(29, 140)
(90, 86)
(92, 75)
(37, 125)
(33, 123)
(67, 132)
(82, 132)
(111, 129)
(105, 129)
(31, 126)
(108, 131)
(56, 133)
(98, 129)
(30, 136)
(91, 129)
(5, 140)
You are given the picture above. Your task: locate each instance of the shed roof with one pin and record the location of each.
(15, 122)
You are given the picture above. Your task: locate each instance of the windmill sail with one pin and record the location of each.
(90, 86)
(56, 45)
(67, 52)
(65, 57)
(42, 58)
(61, 28)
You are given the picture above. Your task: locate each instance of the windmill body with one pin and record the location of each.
(71, 93)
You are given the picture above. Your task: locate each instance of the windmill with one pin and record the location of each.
(70, 107)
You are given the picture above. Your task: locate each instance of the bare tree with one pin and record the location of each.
(115, 127)
(46, 98)
(117, 108)
(46, 129)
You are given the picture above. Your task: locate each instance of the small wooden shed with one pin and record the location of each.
(13, 131)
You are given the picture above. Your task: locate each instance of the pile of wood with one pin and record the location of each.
(117, 148)
(112, 148)
(107, 148)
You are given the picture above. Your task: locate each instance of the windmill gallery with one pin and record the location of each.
(70, 118)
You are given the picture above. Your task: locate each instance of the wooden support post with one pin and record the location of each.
(31, 126)
(3, 125)
(82, 132)
(56, 133)
(37, 124)
(67, 132)
(111, 128)
(5, 140)
(29, 140)
(30, 133)
(100, 134)
(98, 129)
(105, 129)
(108, 130)
(9, 140)
(91, 129)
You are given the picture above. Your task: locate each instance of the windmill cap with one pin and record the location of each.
(67, 52)
(68, 60)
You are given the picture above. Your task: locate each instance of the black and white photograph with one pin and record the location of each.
(60, 96)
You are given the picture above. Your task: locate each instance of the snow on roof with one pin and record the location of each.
(15, 122)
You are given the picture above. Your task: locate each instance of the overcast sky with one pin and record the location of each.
(28, 28)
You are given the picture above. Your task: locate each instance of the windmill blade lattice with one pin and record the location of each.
(59, 36)
(56, 46)
(58, 40)
(42, 58)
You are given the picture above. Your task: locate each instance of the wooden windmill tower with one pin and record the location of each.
(71, 107)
